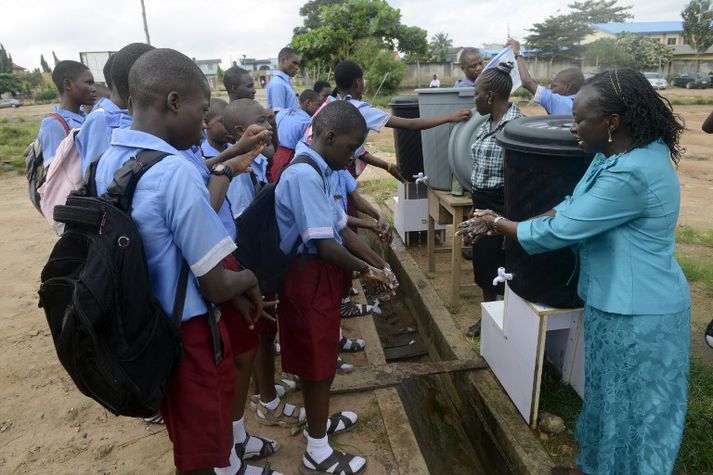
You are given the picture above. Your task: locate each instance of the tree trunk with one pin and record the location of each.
(146, 25)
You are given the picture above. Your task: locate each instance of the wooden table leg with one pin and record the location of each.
(455, 261)
(431, 244)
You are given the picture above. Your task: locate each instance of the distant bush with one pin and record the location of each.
(46, 95)
(522, 93)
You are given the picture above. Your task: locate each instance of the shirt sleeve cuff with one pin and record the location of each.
(318, 233)
(527, 238)
(382, 124)
(213, 257)
(540, 93)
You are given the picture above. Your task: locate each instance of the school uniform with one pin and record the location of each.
(312, 290)
(343, 185)
(554, 104)
(465, 82)
(209, 151)
(244, 187)
(95, 135)
(52, 131)
(101, 104)
(291, 126)
(171, 209)
(280, 94)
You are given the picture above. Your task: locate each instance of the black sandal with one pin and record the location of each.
(348, 345)
(336, 463)
(335, 419)
(350, 309)
(268, 448)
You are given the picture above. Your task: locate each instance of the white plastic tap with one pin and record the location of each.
(502, 276)
(421, 178)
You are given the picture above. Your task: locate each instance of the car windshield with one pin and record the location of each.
(651, 75)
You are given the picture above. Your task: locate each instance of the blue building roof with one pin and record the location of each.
(641, 28)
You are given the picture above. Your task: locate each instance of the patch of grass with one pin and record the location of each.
(696, 455)
(688, 235)
(691, 101)
(380, 189)
(696, 268)
(14, 138)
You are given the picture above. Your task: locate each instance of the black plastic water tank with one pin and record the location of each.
(409, 153)
(543, 164)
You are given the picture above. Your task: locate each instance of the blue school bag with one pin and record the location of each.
(110, 332)
(258, 243)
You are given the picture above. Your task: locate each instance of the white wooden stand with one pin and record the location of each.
(411, 210)
(516, 335)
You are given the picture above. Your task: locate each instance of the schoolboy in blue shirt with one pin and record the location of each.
(95, 136)
(75, 85)
(238, 83)
(172, 211)
(216, 136)
(559, 98)
(291, 126)
(323, 88)
(471, 62)
(280, 94)
(309, 299)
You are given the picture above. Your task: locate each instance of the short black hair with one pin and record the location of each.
(467, 51)
(647, 114)
(107, 70)
(497, 79)
(309, 95)
(346, 72)
(319, 85)
(573, 76)
(216, 108)
(286, 53)
(124, 59)
(158, 72)
(232, 75)
(340, 116)
(69, 70)
(233, 113)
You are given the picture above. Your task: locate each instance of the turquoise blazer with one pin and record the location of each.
(620, 221)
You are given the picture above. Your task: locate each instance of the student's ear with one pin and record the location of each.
(66, 85)
(173, 101)
(614, 122)
(330, 137)
(239, 131)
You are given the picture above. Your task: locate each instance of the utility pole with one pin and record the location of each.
(146, 25)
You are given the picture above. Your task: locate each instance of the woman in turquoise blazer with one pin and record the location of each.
(620, 220)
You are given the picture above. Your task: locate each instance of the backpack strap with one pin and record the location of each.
(179, 302)
(304, 158)
(61, 120)
(126, 178)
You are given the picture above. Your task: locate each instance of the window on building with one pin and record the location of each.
(671, 41)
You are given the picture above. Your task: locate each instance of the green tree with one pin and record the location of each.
(601, 11)
(381, 66)
(559, 36)
(412, 40)
(697, 29)
(55, 58)
(9, 83)
(5, 60)
(438, 47)
(645, 52)
(45, 67)
(606, 53)
(220, 75)
(311, 12)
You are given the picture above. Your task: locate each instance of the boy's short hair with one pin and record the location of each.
(233, 112)
(232, 75)
(310, 95)
(467, 51)
(158, 72)
(346, 72)
(107, 70)
(67, 69)
(286, 53)
(319, 85)
(573, 76)
(340, 116)
(216, 108)
(124, 59)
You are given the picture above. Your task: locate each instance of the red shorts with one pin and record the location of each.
(242, 338)
(280, 160)
(309, 319)
(198, 407)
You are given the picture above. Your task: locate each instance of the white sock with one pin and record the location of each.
(345, 300)
(232, 468)
(272, 405)
(280, 391)
(239, 434)
(352, 416)
(318, 449)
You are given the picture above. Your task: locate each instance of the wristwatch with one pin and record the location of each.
(495, 223)
(222, 169)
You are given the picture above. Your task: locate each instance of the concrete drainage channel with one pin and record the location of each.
(462, 420)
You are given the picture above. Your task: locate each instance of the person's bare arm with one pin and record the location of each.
(423, 123)
(219, 285)
(527, 81)
(331, 251)
(358, 247)
(253, 136)
(708, 124)
(392, 168)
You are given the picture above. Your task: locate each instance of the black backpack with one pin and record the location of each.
(35, 170)
(259, 237)
(110, 332)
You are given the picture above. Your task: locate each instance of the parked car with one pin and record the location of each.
(6, 103)
(692, 80)
(656, 81)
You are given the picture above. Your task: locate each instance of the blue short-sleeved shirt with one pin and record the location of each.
(52, 131)
(291, 126)
(95, 136)
(465, 82)
(101, 104)
(343, 184)
(171, 209)
(305, 205)
(241, 191)
(209, 151)
(280, 94)
(554, 104)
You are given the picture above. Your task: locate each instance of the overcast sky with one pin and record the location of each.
(227, 29)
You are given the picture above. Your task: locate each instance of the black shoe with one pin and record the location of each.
(473, 331)
(709, 334)
(467, 253)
